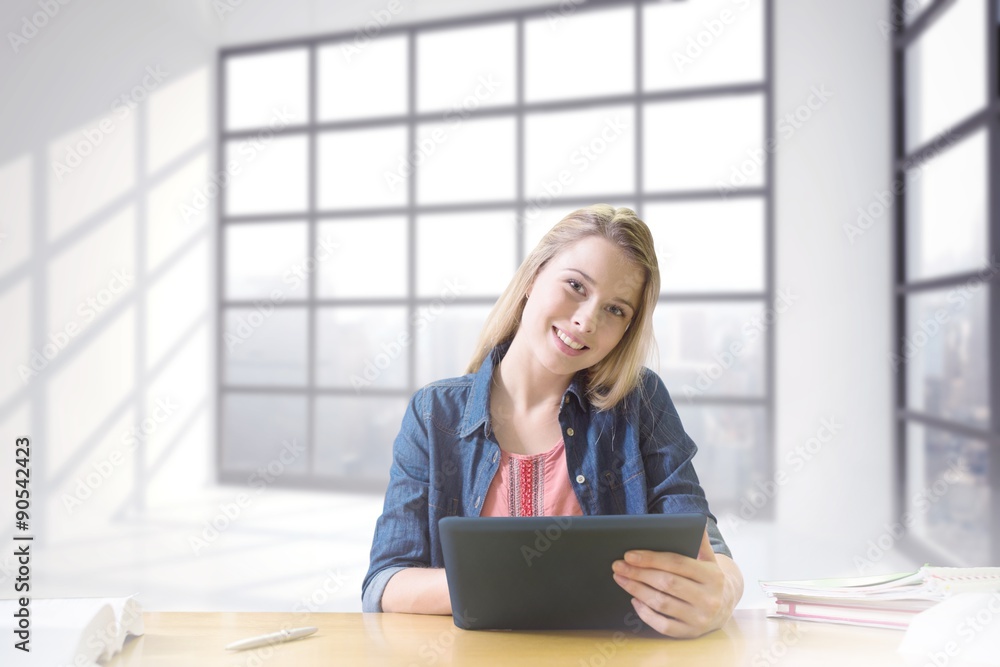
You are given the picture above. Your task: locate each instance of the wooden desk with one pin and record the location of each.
(748, 640)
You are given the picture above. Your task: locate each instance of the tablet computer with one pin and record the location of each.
(552, 572)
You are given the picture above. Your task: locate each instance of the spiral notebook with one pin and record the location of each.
(884, 601)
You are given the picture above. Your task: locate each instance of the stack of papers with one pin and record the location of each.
(883, 601)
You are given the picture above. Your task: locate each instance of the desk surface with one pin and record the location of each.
(195, 639)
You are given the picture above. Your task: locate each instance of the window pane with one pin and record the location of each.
(710, 349)
(267, 176)
(265, 345)
(258, 87)
(446, 338)
(946, 353)
(705, 43)
(709, 246)
(540, 216)
(354, 436)
(263, 429)
(359, 168)
(946, 211)
(699, 144)
(579, 152)
(370, 258)
(579, 54)
(261, 258)
(362, 347)
(946, 72)
(948, 493)
(465, 161)
(362, 82)
(462, 70)
(465, 254)
(729, 440)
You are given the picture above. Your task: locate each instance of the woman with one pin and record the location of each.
(557, 386)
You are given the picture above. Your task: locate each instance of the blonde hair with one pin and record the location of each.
(611, 379)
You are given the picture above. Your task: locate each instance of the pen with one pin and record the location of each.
(273, 638)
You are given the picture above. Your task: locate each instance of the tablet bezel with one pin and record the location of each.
(554, 572)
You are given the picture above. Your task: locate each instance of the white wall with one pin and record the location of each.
(91, 185)
(832, 345)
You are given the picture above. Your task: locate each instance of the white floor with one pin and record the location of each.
(307, 551)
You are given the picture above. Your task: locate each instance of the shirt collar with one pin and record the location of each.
(477, 409)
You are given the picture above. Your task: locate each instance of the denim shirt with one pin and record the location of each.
(634, 458)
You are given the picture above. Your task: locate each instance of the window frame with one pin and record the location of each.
(639, 97)
(987, 119)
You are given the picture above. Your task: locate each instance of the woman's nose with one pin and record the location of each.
(586, 318)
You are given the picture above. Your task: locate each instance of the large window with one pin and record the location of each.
(947, 301)
(391, 180)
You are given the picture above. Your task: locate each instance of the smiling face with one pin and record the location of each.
(580, 304)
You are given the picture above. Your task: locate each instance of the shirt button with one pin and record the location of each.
(566, 398)
(496, 455)
(569, 432)
(580, 479)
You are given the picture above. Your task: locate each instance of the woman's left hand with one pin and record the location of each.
(680, 596)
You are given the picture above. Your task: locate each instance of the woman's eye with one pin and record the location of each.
(575, 284)
(618, 312)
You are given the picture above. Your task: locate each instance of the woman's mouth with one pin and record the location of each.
(567, 343)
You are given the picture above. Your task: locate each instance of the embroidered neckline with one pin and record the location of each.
(533, 457)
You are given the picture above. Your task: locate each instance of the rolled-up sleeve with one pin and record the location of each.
(668, 454)
(401, 537)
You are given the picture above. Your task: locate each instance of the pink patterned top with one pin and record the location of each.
(532, 485)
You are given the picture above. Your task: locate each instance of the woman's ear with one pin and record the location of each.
(527, 290)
